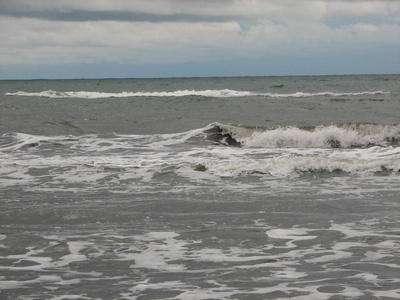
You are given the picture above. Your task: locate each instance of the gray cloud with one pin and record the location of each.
(205, 11)
(133, 11)
(127, 16)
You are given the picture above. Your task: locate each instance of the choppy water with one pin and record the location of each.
(200, 188)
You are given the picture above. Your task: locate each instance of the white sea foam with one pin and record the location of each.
(112, 163)
(126, 163)
(92, 171)
(294, 234)
(298, 161)
(175, 257)
(224, 93)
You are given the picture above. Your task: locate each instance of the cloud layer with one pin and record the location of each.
(141, 32)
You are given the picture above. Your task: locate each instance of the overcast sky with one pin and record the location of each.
(179, 38)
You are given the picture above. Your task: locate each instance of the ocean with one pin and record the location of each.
(200, 188)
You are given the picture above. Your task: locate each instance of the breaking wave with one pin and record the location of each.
(341, 135)
(225, 93)
(118, 160)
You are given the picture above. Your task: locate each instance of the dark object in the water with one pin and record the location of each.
(216, 134)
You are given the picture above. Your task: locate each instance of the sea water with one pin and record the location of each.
(200, 188)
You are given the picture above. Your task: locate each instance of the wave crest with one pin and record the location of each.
(224, 93)
(343, 135)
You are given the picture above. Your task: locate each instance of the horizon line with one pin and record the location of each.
(199, 77)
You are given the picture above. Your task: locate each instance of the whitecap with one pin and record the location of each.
(223, 93)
